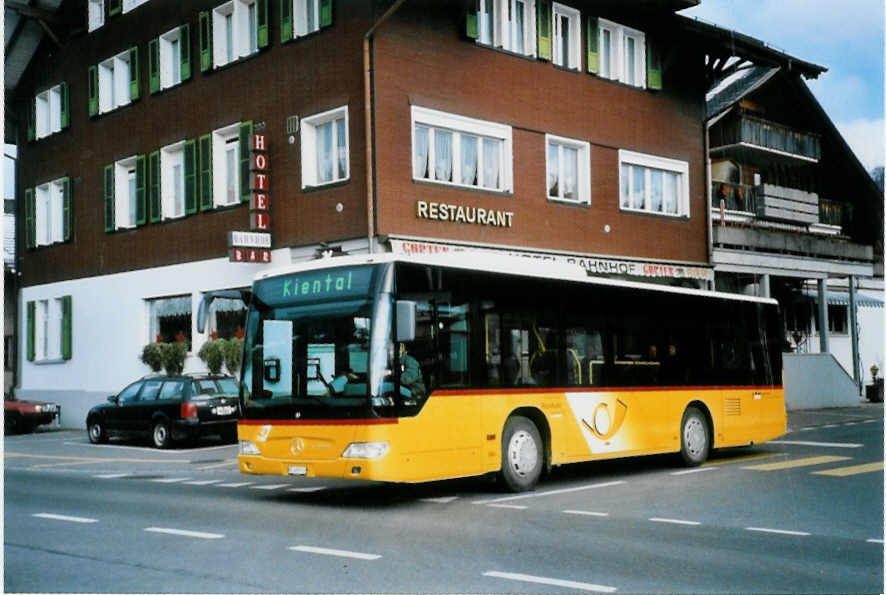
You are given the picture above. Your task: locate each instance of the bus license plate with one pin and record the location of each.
(298, 470)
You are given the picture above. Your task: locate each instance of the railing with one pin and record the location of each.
(831, 212)
(737, 197)
(763, 133)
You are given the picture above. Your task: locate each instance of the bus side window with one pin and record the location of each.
(584, 356)
(454, 325)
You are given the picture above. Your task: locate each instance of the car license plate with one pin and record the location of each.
(298, 470)
(225, 410)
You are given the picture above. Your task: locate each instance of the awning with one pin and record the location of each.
(841, 298)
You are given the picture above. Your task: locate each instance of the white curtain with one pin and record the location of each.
(324, 152)
(420, 153)
(443, 152)
(491, 163)
(342, 145)
(656, 190)
(570, 172)
(468, 160)
(553, 170)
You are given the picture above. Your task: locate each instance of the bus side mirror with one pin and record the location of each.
(405, 321)
(210, 296)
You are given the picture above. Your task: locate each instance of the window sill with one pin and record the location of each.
(236, 61)
(451, 186)
(570, 203)
(653, 214)
(50, 135)
(49, 362)
(308, 35)
(50, 244)
(324, 186)
(621, 83)
(226, 206)
(529, 57)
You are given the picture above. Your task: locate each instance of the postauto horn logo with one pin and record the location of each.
(605, 423)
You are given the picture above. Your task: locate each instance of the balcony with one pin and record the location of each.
(831, 212)
(735, 197)
(750, 132)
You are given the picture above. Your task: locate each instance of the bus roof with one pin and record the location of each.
(502, 264)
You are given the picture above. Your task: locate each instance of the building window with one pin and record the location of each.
(49, 329)
(132, 4)
(307, 13)
(508, 24)
(49, 202)
(622, 54)
(49, 109)
(455, 150)
(170, 59)
(125, 193)
(227, 318)
(234, 31)
(96, 14)
(568, 170)
(172, 180)
(324, 148)
(226, 166)
(567, 41)
(113, 82)
(653, 184)
(170, 319)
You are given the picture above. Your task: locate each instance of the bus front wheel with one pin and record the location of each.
(522, 457)
(695, 437)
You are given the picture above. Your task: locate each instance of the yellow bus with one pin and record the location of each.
(421, 368)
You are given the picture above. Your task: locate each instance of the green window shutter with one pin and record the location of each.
(205, 41)
(205, 146)
(544, 29)
(190, 178)
(154, 65)
(325, 13)
(472, 20)
(141, 210)
(261, 23)
(30, 330)
(116, 6)
(32, 119)
(154, 186)
(653, 65)
(133, 73)
(30, 219)
(67, 222)
(184, 42)
(93, 90)
(285, 20)
(245, 136)
(66, 106)
(593, 45)
(109, 197)
(67, 327)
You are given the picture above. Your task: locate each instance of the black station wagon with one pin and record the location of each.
(169, 408)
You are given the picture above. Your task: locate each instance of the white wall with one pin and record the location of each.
(815, 381)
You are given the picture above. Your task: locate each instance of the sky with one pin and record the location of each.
(845, 36)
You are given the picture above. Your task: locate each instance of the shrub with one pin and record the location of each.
(152, 356)
(213, 354)
(174, 357)
(233, 355)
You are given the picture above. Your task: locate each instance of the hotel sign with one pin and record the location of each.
(255, 246)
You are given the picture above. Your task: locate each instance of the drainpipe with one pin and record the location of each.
(369, 112)
(707, 209)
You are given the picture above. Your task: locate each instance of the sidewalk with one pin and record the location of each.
(805, 418)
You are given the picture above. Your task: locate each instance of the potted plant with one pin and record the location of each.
(233, 355)
(874, 391)
(152, 356)
(174, 355)
(213, 353)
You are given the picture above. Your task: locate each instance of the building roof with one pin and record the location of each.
(732, 88)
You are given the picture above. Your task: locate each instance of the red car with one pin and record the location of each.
(24, 416)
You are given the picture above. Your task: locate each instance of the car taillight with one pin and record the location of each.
(189, 410)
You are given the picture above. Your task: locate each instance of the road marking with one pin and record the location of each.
(183, 533)
(307, 490)
(339, 553)
(111, 475)
(225, 464)
(171, 479)
(777, 531)
(822, 444)
(68, 463)
(61, 517)
(441, 500)
(853, 470)
(202, 482)
(830, 426)
(234, 485)
(511, 506)
(875, 541)
(555, 582)
(674, 521)
(796, 463)
(551, 492)
(744, 459)
(691, 471)
(586, 513)
(275, 486)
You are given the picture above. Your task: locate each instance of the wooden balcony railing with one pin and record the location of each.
(752, 130)
(831, 212)
(737, 197)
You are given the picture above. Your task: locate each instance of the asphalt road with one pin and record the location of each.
(803, 514)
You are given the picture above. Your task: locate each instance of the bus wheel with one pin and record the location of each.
(695, 442)
(522, 458)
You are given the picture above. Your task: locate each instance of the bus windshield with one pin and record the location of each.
(317, 345)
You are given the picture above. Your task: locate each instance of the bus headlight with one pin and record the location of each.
(365, 450)
(248, 448)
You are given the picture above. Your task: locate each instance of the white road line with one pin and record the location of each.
(777, 531)
(183, 533)
(875, 541)
(441, 500)
(111, 476)
(171, 480)
(830, 426)
(586, 513)
(555, 582)
(691, 471)
(61, 517)
(511, 506)
(869, 421)
(551, 492)
(339, 553)
(675, 521)
(804, 430)
(307, 490)
(202, 482)
(217, 465)
(239, 484)
(822, 444)
(275, 486)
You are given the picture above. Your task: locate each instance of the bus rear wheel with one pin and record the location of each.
(522, 455)
(695, 437)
